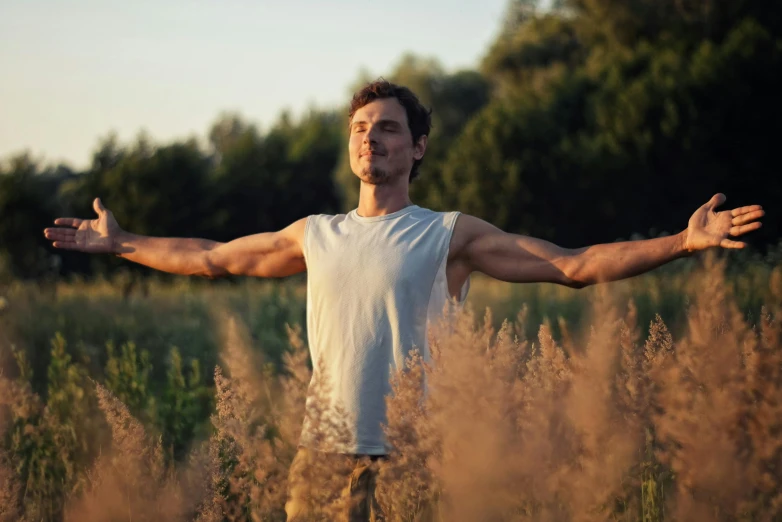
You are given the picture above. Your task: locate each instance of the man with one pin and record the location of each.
(379, 274)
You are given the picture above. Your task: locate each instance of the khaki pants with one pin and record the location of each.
(360, 477)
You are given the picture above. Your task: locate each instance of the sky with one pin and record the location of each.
(74, 71)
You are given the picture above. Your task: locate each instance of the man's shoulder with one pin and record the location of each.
(466, 230)
(423, 211)
(323, 221)
(328, 215)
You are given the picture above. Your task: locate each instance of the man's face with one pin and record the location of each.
(381, 146)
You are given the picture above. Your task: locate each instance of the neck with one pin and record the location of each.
(380, 200)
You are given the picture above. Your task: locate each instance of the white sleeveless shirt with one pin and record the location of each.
(373, 286)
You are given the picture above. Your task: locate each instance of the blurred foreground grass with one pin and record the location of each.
(156, 350)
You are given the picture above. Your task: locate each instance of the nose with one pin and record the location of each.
(369, 135)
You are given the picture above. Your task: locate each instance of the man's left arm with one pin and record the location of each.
(521, 259)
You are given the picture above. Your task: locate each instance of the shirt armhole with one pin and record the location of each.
(305, 242)
(465, 289)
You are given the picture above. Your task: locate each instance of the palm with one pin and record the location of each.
(93, 236)
(708, 228)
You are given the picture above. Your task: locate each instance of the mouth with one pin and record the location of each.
(370, 154)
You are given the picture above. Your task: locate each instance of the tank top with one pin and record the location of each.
(374, 284)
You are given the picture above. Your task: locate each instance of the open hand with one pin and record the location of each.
(95, 236)
(708, 228)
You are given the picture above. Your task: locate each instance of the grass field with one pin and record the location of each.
(657, 398)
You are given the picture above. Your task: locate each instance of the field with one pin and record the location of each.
(657, 398)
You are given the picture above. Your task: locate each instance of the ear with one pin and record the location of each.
(420, 148)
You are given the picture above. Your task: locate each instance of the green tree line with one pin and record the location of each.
(584, 122)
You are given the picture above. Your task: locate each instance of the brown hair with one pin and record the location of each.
(419, 118)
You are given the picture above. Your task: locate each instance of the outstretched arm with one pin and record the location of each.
(479, 246)
(270, 254)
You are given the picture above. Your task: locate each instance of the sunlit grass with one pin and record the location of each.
(572, 410)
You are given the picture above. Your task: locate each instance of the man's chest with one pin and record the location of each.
(367, 264)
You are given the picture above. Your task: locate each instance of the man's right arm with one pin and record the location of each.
(269, 254)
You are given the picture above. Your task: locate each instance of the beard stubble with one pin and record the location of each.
(375, 176)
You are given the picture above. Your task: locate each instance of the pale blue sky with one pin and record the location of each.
(74, 70)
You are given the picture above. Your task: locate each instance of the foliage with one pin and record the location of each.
(617, 133)
(26, 204)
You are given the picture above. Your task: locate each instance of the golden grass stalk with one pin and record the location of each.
(130, 481)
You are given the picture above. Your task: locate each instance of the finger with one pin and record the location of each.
(69, 222)
(57, 234)
(737, 231)
(66, 245)
(743, 210)
(716, 200)
(727, 243)
(746, 218)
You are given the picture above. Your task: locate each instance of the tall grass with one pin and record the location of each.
(604, 429)
(606, 414)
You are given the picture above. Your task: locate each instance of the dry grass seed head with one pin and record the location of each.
(703, 410)
(131, 480)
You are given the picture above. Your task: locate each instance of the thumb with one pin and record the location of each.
(716, 200)
(97, 205)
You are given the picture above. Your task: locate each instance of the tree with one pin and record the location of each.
(624, 136)
(264, 183)
(27, 205)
